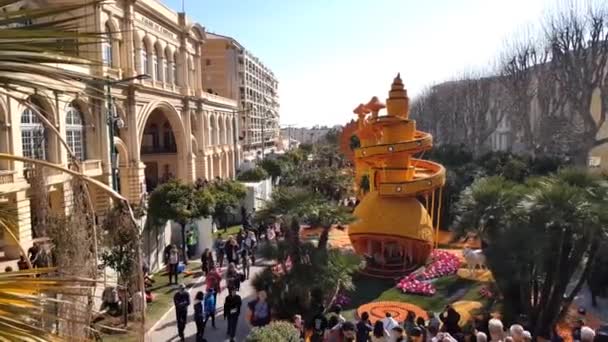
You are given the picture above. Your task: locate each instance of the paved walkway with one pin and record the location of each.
(166, 329)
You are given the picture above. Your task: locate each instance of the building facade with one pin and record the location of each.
(166, 126)
(232, 71)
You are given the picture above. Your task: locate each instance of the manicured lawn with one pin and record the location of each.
(449, 289)
(163, 298)
(233, 230)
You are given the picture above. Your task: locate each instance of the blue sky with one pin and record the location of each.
(331, 55)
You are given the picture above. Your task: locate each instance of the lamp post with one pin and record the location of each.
(113, 120)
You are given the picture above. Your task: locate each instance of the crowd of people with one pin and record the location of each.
(237, 254)
(434, 328)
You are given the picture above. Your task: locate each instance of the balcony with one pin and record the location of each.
(158, 149)
(7, 176)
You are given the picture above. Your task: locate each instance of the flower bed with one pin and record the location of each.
(443, 263)
(485, 292)
(398, 310)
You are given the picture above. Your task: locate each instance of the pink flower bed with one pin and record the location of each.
(443, 264)
(486, 292)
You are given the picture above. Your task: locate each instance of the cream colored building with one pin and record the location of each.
(170, 126)
(232, 71)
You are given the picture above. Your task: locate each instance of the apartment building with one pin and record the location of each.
(232, 71)
(164, 126)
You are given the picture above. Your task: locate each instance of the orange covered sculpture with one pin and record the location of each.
(397, 219)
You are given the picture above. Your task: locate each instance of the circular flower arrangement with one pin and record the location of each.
(443, 263)
(398, 310)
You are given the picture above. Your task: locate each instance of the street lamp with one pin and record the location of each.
(113, 120)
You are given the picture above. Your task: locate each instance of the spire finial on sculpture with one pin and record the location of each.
(398, 103)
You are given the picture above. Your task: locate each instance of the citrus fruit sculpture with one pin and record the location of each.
(400, 199)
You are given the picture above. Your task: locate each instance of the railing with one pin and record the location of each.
(219, 99)
(158, 149)
(7, 176)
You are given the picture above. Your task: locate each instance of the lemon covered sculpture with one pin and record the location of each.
(397, 217)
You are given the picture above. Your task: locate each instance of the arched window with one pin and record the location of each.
(167, 68)
(33, 138)
(155, 67)
(106, 46)
(145, 65)
(174, 66)
(75, 131)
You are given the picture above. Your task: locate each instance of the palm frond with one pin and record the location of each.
(37, 44)
(24, 294)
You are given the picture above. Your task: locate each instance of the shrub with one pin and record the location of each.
(256, 174)
(273, 167)
(275, 331)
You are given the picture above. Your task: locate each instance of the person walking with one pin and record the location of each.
(199, 316)
(410, 323)
(173, 262)
(379, 334)
(181, 300)
(318, 325)
(191, 242)
(389, 322)
(213, 280)
(231, 250)
(259, 310)
(209, 302)
(364, 328)
(233, 279)
(250, 244)
(450, 318)
(245, 263)
(206, 261)
(218, 246)
(232, 310)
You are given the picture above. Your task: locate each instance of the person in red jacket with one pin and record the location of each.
(213, 281)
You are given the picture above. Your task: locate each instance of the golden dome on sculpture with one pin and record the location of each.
(395, 216)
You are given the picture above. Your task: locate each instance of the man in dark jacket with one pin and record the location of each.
(181, 299)
(232, 310)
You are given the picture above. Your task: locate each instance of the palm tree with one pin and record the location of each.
(37, 46)
(541, 238)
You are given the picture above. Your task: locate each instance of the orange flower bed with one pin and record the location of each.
(378, 310)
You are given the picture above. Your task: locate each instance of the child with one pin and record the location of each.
(209, 303)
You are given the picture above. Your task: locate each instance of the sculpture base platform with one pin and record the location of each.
(393, 272)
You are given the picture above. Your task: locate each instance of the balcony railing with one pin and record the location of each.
(7, 176)
(158, 149)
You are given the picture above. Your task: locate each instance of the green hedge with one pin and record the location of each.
(256, 174)
(274, 332)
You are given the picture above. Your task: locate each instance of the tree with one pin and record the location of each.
(120, 248)
(274, 168)
(548, 228)
(227, 196)
(256, 174)
(578, 44)
(181, 203)
(38, 45)
(598, 276)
